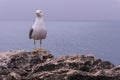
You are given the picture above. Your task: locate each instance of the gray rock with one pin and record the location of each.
(24, 65)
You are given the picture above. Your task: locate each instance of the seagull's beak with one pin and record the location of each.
(38, 14)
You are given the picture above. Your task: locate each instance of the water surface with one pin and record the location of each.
(100, 38)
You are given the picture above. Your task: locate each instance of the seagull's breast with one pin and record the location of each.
(39, 31)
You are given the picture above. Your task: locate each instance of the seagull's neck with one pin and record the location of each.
(39, 19)
(38, 22)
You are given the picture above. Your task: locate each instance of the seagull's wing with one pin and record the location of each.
(30, 33)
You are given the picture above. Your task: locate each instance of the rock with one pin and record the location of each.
(14, 76)
(3, 70)
(25, 65)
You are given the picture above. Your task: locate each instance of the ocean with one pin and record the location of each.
(100, 38)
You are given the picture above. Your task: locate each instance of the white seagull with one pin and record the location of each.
(38, 30)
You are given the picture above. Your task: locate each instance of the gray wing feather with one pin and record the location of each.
(30, 33)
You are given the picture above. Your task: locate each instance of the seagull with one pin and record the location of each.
(38, 30)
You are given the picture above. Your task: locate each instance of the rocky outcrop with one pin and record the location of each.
(24, 65)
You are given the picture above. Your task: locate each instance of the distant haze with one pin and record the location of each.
(60, 9)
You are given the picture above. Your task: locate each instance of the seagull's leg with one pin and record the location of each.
(35, 49)
(41, 50)
(34, 45)
(40, 44)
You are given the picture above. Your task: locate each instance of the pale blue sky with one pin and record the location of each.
(60, 9)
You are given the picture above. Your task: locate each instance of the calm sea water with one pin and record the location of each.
(101, 38)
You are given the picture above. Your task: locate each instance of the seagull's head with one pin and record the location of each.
(38, 13)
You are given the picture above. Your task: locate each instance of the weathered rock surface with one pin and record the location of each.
(24, 65)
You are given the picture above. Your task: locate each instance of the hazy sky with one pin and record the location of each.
(60, 9)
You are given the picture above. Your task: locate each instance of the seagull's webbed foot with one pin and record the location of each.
(35, 51)
(41, 50)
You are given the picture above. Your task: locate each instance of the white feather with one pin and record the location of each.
(39, 30)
